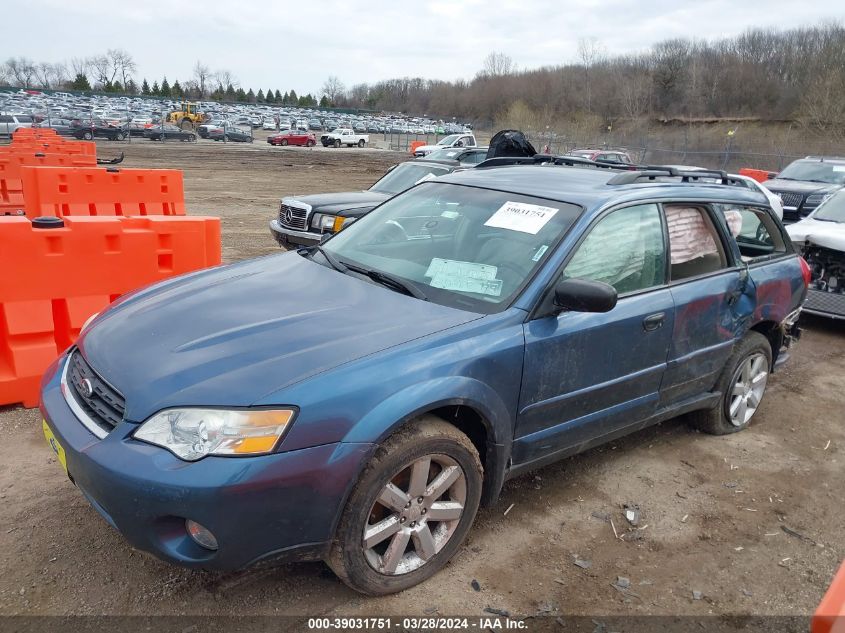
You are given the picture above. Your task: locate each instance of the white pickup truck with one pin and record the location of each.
(344, 136)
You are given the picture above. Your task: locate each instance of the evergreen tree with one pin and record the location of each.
(250, 96)
(286, 99)
(230, 94)
(116, 87)
(279, 98)
(164, 91)
(268, 96)
(80, 82)
(155, 90)
(132, 87)
(293, 99)
(260, 96)
(176, 90)
(240, 95)
(324, 102)
(145, 88)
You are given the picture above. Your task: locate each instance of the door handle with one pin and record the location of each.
(654, 321)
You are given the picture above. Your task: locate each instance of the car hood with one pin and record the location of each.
(231, 335)
(818, 232)
(799, 186)
(335, 202)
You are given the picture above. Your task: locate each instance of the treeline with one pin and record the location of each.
(796, 74)
(114, 72)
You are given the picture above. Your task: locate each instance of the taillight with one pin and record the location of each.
(806, 272)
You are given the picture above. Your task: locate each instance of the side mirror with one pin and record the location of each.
(585, 295)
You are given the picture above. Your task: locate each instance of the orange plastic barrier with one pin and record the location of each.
(415, 144)
(59, 277)
(34, 132)
(760, 175)
(830, 615)
(61, 191)
(57, 145)
(11, 187)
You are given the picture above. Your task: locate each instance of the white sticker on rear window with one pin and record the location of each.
(518, 216)
(456, 268)
(428, 176)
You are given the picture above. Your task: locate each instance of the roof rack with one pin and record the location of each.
(824, 158)
(548, 159)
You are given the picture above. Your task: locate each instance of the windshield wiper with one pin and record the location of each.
(390, 281)
(331, 259)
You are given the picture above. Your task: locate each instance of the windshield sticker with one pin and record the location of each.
(451, 267)
(450, 214)
(428, 176)
(518, 216)
(839, 168)
(540, 252)
(492, 287)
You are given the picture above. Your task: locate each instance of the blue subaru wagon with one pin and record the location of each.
(357, 400)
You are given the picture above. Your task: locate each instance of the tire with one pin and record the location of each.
(361, 143)
(337, 143)
(119, 136)
(309, 144)
(284, 142)
(88, 136)
(754, 354)
(226, 138)
(447, 448)
(192, 138)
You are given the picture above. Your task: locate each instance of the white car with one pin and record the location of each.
(820, 238)
(11, 122)
(453, 140)
(269, 124)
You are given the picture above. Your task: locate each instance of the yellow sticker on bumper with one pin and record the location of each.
(54, 444)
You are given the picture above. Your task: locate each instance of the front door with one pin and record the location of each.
(589, 376)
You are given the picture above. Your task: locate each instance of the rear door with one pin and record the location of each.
(713, 299)
(588, 376)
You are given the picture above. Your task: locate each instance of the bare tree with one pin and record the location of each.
(101, 68)
(50, 76)
(21, 70)
(224, 79)
(496, 64)
(80, 66)
(333, 88)
(122, 64)
(590, 52)
(202, 75)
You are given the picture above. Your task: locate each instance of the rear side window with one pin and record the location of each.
(625, 249)
(756, 233)
(694, 245)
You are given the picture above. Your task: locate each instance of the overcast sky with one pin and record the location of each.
(282, 45)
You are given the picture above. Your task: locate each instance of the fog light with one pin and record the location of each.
(202, 536)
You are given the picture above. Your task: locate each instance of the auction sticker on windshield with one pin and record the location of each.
(519, 216)
(451, 274)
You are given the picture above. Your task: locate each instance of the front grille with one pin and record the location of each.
(105, 406)
(790, 199)
(293, 217)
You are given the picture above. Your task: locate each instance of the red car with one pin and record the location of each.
(293, 138)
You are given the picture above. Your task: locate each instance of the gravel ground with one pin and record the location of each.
(752, 521)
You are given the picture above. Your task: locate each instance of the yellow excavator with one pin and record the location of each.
(187, 116)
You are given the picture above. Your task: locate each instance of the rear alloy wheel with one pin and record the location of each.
(119, 136)
(410, 510)
(87, 136)
(742, 384)
(361, 143)
(284, 142)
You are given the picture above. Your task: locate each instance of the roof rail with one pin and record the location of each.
(652, 172)
(548, 159)
(824, 158)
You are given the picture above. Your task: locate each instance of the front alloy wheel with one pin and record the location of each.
(415, 515)
(410, 510)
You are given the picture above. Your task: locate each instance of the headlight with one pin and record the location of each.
(340, 223)
(816, 199)
(322, 222)
(191, 434)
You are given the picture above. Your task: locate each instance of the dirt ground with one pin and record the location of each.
(753, 521)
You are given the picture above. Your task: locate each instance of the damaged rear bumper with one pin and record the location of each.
(790, 333)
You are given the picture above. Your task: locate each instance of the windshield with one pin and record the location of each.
(464, 247)
(406, 175)
(815, 171)
(832, 209)
(448, 140)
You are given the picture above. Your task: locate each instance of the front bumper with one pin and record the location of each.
(280, 506)
(290, 238)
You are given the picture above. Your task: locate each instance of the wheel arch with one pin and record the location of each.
(773, 333)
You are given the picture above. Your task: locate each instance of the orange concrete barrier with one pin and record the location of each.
(830, 614)
(11, 187)
(62, 192)
(55, 278)
(415, 144)
(760, 175)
